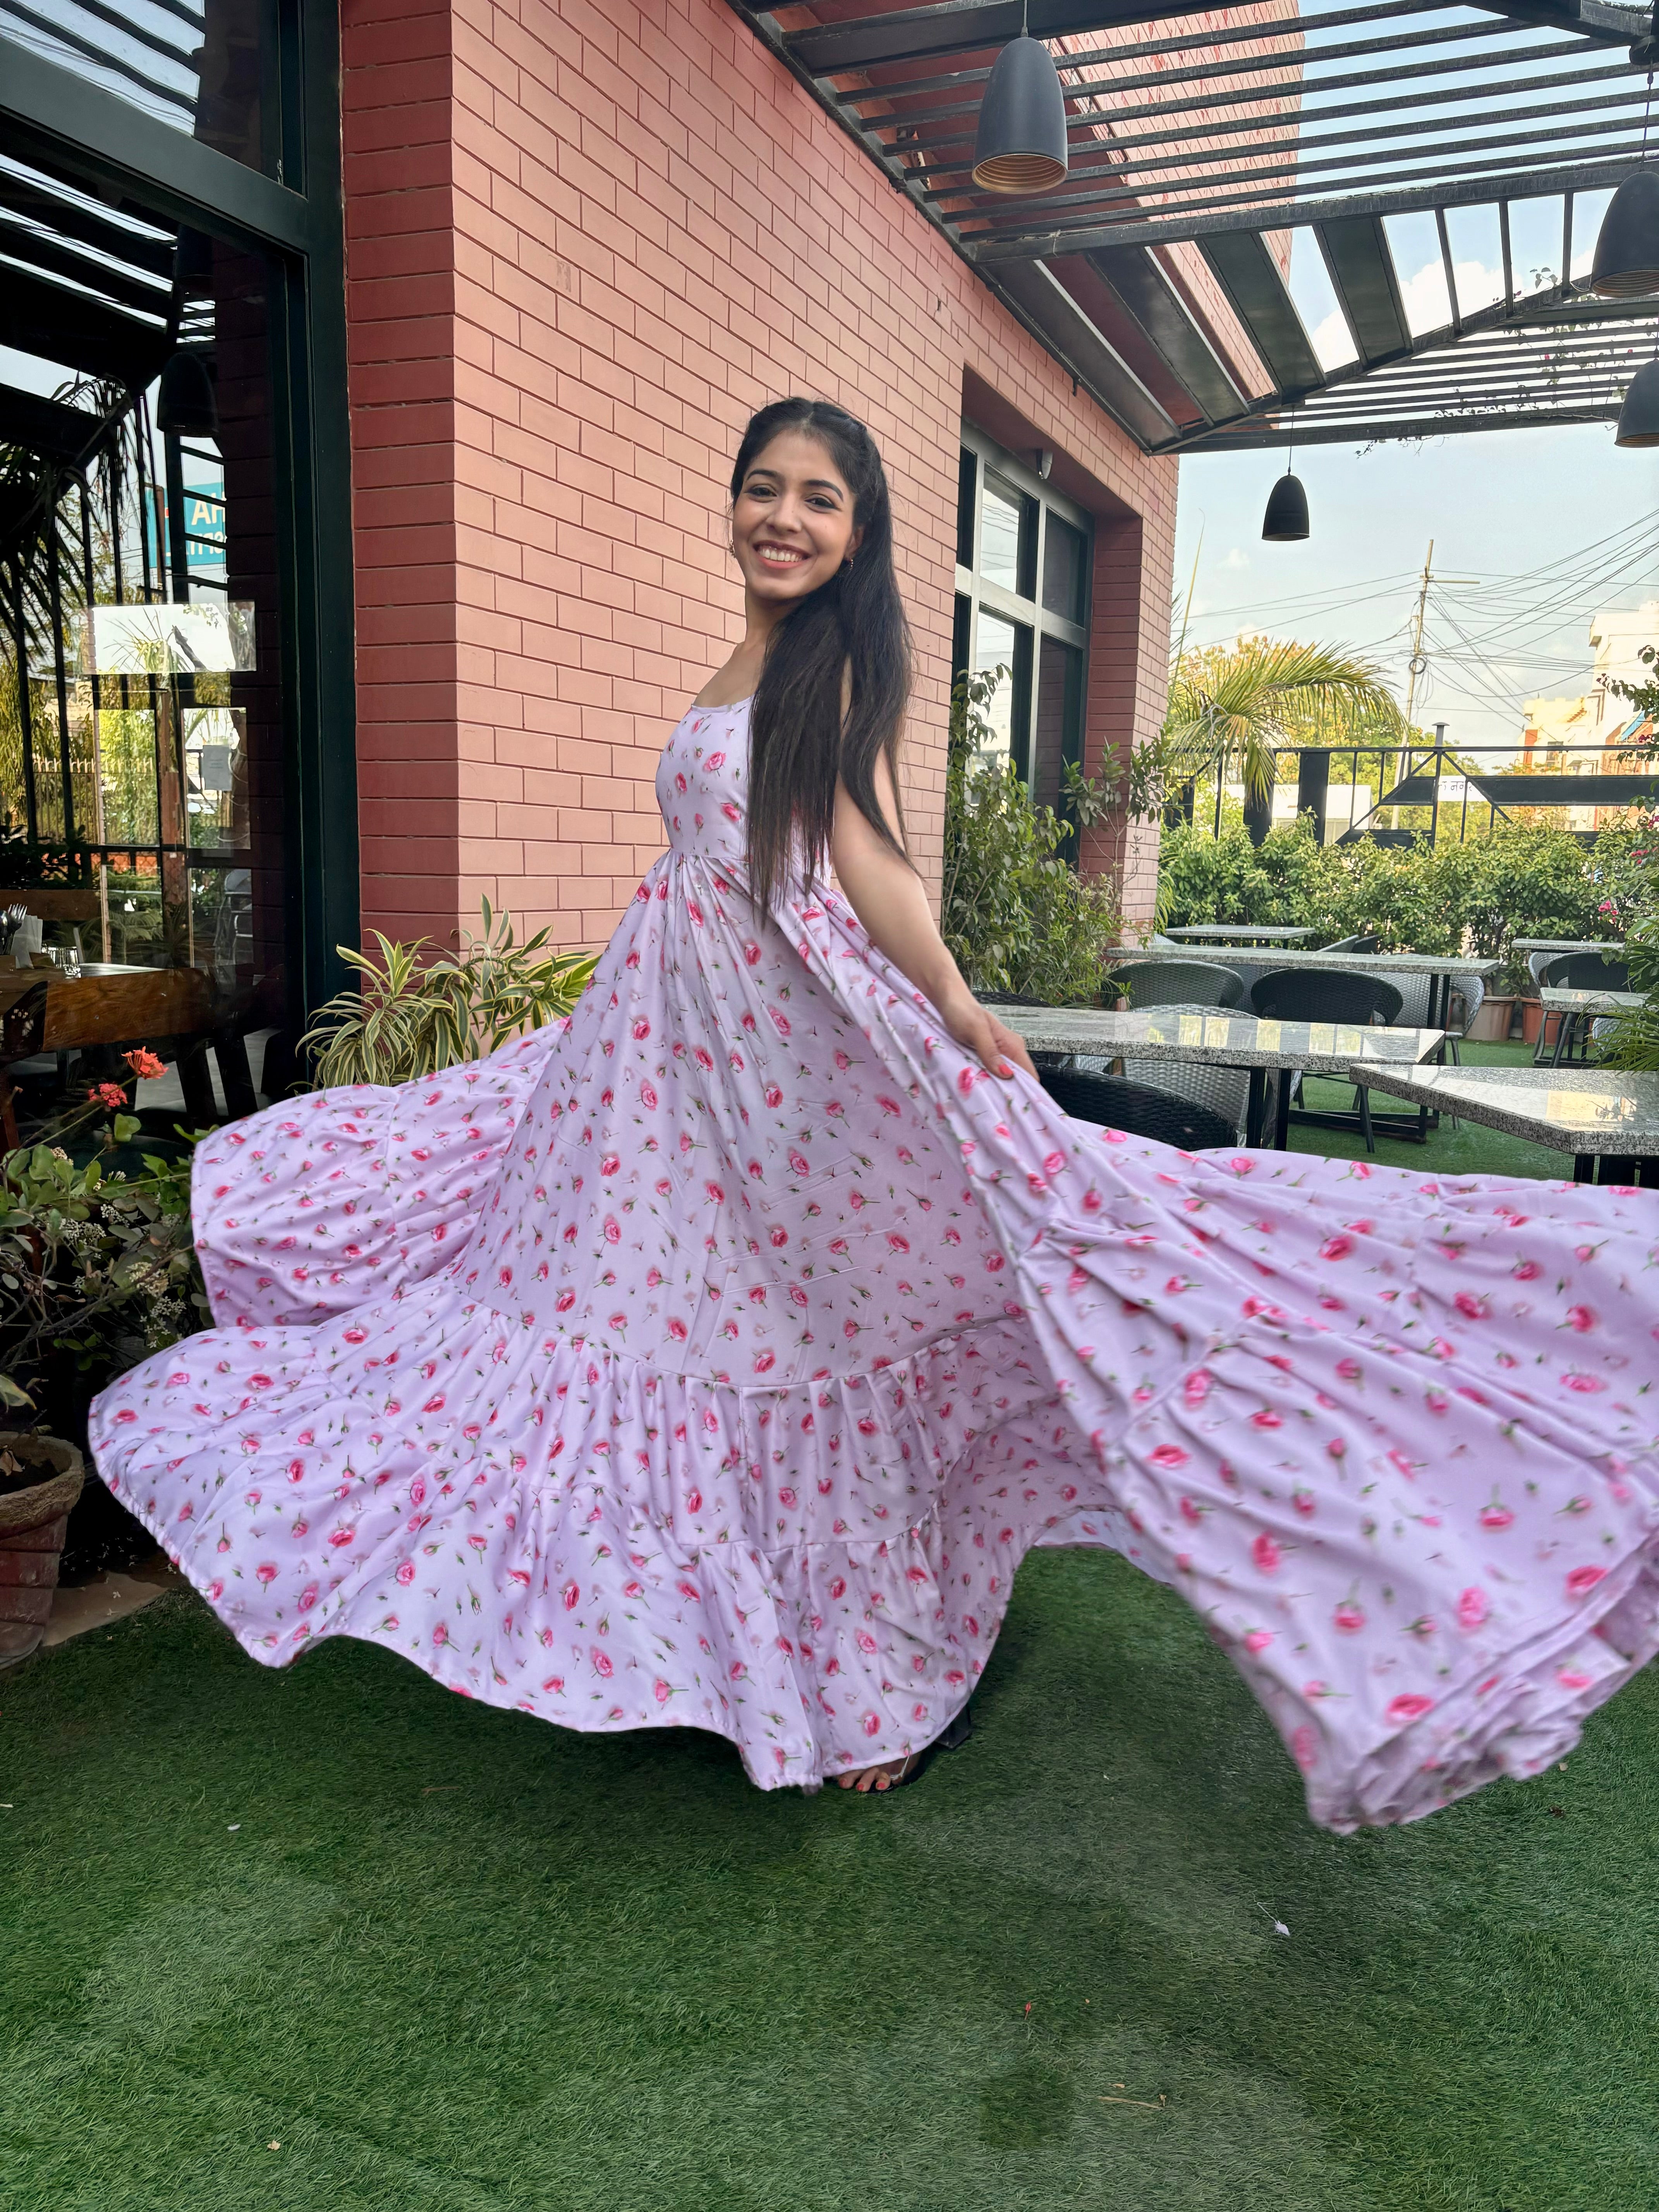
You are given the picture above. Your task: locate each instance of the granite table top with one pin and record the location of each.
(1388, 964)
(1613, 947)
(1557, 1000)
(1574, 1110)
(1272, 933)
(1225, 1039)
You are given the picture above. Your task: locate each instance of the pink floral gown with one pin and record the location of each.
(713, 1357)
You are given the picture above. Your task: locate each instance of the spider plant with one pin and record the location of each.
(411, 1015)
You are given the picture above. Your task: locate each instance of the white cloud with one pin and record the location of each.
(1423, 295)
(1236, 558)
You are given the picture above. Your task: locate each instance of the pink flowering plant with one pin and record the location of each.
(97, 1265)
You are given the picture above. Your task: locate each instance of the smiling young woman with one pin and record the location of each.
(713, 1358)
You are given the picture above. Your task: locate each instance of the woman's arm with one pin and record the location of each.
(888, 897)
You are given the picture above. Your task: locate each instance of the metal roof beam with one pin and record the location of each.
(67, 435)
(1228, 441)
(1228, 126)
(968, 26)
(1248, 275)
(886, 89)
(1365, 146)
(1294, 59)
(1264, 212)
(1142, 288)
(49, 320)
(1067, 330)
(113, 283)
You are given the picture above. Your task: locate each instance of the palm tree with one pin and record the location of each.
(1252, 698)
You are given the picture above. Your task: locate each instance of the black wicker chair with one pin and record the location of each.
(1177, 983)
(1329, 994)
(1580, 971)
(1140, 1111)
(1586, 971)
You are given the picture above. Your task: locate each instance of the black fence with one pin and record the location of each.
(1425, 793)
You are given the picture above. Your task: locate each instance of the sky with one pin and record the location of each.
(1535, 532)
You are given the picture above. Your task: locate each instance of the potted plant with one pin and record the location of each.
(97, 1268)
(40, 1479)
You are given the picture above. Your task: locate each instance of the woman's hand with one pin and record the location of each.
(976, 1030)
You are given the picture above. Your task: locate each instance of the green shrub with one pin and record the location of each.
(97, 1270)
(1013, 911)
(1521, 881)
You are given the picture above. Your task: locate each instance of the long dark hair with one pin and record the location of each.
(854, 625)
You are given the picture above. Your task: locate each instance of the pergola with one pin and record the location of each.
(1201, 139)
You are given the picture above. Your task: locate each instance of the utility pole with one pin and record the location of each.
(1417, 664)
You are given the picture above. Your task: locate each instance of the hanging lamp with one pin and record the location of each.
(1625, 263)
(185, 403)
(1286, 518)
(1020, 145)
(1638, 416)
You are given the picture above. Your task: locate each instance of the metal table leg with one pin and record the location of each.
(1254, 1111)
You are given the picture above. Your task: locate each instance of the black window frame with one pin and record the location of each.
(1033, 621)
(295, 218)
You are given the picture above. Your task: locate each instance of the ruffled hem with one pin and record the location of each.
(687, 1580)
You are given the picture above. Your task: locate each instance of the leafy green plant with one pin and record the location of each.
(1245, 701)
(98, 1268)
(1523, 880)
(411, 1016)
(1635, 1040)
(1014, 912)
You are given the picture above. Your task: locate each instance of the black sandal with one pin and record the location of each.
(955, 1734)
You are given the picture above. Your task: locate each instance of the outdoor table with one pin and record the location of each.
(1607, 1119)
(110, 1004)
(1243, 932)
(1611, 946)
(1223, 1040)
(1439, 967)
(1573, 1008)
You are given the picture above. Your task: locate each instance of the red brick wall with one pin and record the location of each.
(584, 242)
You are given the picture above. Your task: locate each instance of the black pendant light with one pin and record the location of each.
(1020, 146)
(1638, 417)
(185, 405)
(1626, 263)
(1286, 518)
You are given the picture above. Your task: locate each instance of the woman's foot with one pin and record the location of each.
(888, 1777)
(893, 1773)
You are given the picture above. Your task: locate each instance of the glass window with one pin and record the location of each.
(1004, 526)
(1065, 572)
(142, 747)
(967, 484)
(998, 647)
(1057, 718)
(1023, 605)
(204, 67)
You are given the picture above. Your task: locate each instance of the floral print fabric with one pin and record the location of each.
(713, 1359)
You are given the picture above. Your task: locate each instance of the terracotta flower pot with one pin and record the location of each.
(1492, 1024)
(32, 1520)
(1532, 1019)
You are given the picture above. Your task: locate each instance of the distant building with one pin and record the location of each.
(1561, 736)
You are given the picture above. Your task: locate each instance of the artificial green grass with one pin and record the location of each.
(1455, 1148)
(452, 1959)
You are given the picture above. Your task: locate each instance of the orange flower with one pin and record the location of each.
(144, 1062)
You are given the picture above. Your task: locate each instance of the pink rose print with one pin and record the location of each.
(1473, 1608)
